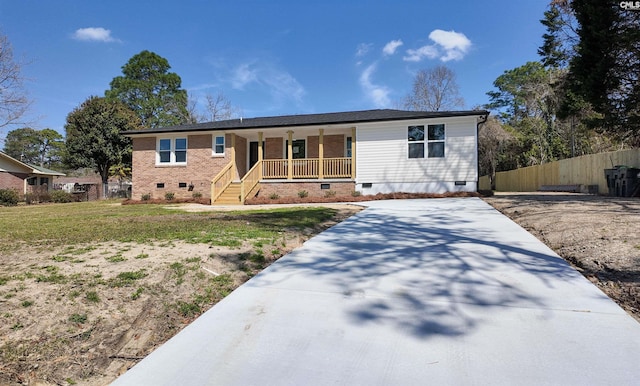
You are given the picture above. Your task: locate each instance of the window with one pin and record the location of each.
(434, 141)
(297, 149)
(349, 142)
(416, 141)
(181, 150)
(218, 145)
(164, 150)
(172, 151)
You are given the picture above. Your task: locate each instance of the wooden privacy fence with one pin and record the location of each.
(584, 170)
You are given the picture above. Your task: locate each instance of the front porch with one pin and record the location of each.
(296, 166)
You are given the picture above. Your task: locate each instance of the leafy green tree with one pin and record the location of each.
(560, 38)
(495, 149)
(605, 71)
(37, 147)
(21, 144)
(527, 101)
(151, 91)
(94, 136)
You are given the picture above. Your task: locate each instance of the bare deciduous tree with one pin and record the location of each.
(434, 89)
(218, 108)
(13, 97)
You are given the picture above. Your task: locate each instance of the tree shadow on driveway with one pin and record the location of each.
(425, 268)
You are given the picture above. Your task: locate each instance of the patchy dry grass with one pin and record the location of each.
(88, 289)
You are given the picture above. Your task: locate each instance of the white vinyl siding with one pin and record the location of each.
(383, 153)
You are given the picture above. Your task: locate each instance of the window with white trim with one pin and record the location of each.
(431, 145)
(435, 141)
(218, 145)
(172, 151)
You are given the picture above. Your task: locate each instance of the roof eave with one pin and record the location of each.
(244, 125)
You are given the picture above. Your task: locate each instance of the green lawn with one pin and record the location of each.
(102, 221)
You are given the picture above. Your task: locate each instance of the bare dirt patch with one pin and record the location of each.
(599, 236)
(84, 314)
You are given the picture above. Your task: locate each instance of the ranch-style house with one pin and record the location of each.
(372, 151)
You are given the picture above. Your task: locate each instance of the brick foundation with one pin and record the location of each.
(291, 189)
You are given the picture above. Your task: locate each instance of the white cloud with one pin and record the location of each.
(242, 76)
(455, 44)
(363, 49)
(391, 47)
(448, 45)
(430, 52)
(379, 95)
(94, 34)
(280, 84)
(283, 85)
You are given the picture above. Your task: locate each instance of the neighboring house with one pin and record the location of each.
(85, 188)
(24, 177)
(372, 151)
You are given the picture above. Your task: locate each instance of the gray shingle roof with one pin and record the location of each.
(311, 120)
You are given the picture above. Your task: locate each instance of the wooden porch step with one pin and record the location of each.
(230, 196)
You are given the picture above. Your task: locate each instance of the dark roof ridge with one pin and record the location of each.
(311, 119)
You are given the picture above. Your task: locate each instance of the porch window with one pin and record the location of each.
(172, 151)
(349, 142)
(218, 145)
(434, 141)
(298, 149)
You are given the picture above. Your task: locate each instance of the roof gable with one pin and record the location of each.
(10, 164)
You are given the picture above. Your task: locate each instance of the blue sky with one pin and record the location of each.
(268, 57)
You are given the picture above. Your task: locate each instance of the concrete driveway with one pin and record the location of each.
(408, 292)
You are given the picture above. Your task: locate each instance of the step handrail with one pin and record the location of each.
(250, 181)
(221, 181)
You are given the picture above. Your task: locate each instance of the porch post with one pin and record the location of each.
(233, 149)
(353, 153)
(260, 155)
(290, 156)
(321, 154)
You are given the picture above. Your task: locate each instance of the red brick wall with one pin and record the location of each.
(291, 189)
(12, 181)
(333, 146)
(274, 148)
(241, 156)
(200, 169)
(313, 146)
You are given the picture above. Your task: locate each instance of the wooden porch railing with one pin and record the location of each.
(222, 180)
(307, 168)
(337, 167)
